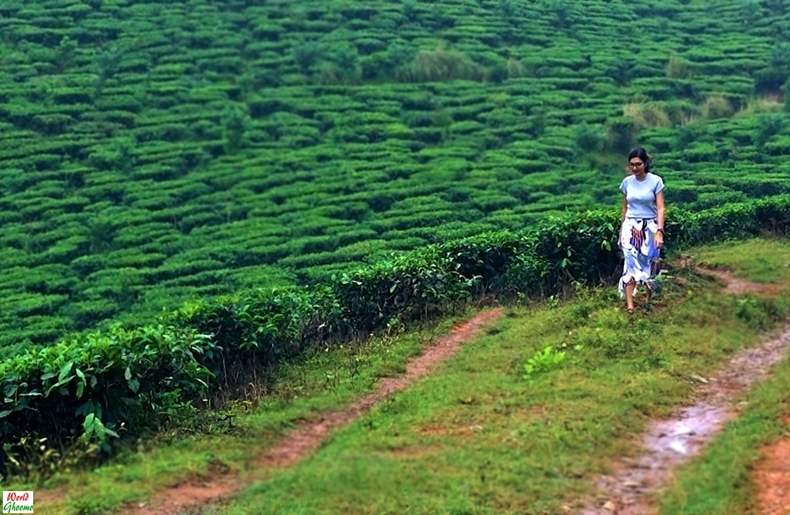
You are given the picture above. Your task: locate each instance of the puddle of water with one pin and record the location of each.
(669, 443)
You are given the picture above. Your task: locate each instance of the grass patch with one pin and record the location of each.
(718, 481)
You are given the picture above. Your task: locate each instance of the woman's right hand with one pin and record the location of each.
(660, 239)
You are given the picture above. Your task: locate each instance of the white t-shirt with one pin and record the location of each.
(641, 195)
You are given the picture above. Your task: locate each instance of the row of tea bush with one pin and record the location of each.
(122, 378)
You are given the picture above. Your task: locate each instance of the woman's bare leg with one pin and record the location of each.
(629, 294)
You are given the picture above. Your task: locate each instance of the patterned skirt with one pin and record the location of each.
(638, 243)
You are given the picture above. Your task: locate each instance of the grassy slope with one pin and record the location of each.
(759, 260)
(477, 436)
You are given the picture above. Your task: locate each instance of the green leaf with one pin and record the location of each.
(59, 384)
(89, 424)
(127, 374)
(134, 384)
(5, 413)
(64, 371)
(11, 390)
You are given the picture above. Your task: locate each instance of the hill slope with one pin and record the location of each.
(153, 152)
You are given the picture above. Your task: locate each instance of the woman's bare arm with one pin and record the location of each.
(660, 208)
(625, 207)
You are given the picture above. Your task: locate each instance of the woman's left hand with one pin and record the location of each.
(659, 239)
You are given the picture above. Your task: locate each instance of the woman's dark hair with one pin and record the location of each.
(642, 154)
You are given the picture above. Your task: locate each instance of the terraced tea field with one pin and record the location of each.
(157, 152)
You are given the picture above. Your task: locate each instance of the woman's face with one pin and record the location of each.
(637, 167)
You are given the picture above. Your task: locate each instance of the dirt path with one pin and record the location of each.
(772, 477)
(308, 436)
(737, 286)
(671, 442)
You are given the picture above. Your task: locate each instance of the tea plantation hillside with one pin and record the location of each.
(154, 152)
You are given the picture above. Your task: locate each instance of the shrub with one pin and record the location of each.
(786, 91)
(620, 134)
(587, 138)
(343, 65)
(543, 361)
(561, 13)
(749, 10)
(768, 125)
(717, 106)
(644, 115)
(306, 55)
(525, 276)
(235, 122)
(438, 65)
(778, 7)
(777, 71)
(679, 68)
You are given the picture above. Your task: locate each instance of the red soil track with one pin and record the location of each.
(771, 476)
(737, 286)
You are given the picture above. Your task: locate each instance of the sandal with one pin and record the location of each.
(630, 310)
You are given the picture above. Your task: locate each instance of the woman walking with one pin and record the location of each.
(642, 232)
